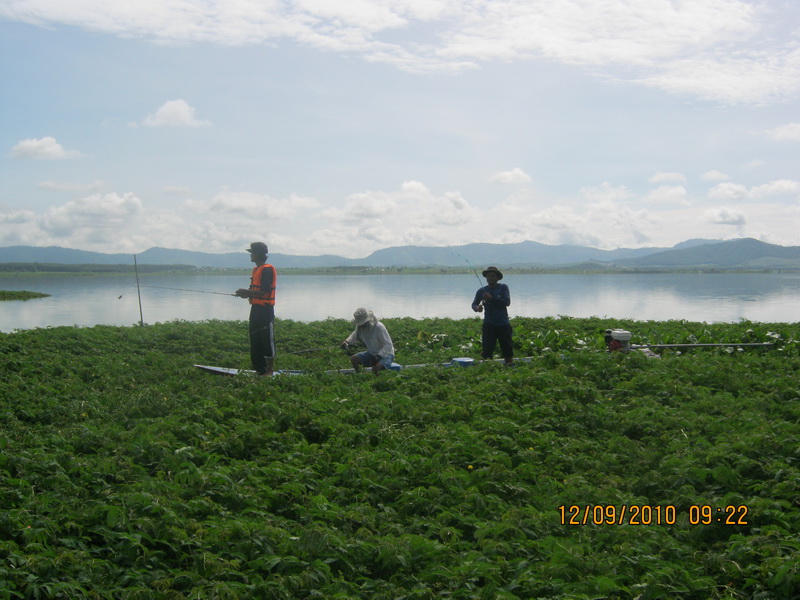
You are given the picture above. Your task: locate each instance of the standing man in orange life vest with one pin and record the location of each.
(261, 295)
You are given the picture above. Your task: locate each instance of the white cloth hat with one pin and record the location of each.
(362, 316)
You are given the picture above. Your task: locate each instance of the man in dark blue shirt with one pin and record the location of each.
(493, 300)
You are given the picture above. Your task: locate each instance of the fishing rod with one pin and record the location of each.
(475, 272)
(161, 287)
(704, 345)
(312, 350)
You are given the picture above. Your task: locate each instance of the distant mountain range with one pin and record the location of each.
(745, 253)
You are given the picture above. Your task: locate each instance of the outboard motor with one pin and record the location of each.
(618, 340)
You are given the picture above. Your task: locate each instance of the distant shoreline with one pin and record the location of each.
(95, 270)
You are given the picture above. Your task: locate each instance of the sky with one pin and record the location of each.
(347, 126)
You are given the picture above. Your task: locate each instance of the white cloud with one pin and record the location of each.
(670, 195)
(423, 209)
(515, 175)
(368, 205)
(174, 113)
(590, 32)
(97, 218)
(662, 177)
(558, 218)
(17, 217)
(733, 191)
(737, 79)
(412, 214)
(358, 14)
(754, 164)
(606, 193)
(729, 191)
(725, 216)
(716, 49)
(603, 222)
(780, 187)
(409, 214)
(789, 132)
(115, 222)
(63, 186)
(714, 176)
(19, 227)
(46, 148)
(255, 206)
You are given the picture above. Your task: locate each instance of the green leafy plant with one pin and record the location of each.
(127, 473)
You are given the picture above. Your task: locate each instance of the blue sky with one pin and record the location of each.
(344, 127)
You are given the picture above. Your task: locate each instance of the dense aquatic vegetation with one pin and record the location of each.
(21, 295)
(127, 473)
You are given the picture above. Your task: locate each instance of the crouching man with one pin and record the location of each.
(373, 334)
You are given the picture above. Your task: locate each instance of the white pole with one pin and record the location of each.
(138, 291)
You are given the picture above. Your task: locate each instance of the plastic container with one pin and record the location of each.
(462, 362)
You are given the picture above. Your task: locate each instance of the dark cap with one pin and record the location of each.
(258, 248)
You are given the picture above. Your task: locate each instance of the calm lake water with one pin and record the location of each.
(113, 300)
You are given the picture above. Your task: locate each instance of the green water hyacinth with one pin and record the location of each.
(126, 473)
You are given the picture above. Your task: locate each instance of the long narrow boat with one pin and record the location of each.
(704, 345)
(455, 362)
(233, 372)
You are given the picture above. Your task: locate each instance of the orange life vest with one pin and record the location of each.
(255, 285)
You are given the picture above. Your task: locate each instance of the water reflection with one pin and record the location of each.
(114, 300)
